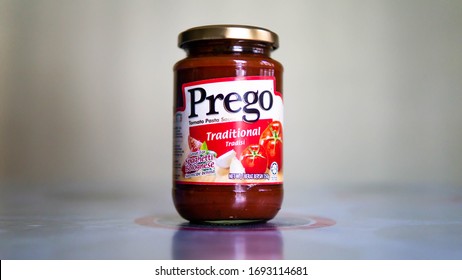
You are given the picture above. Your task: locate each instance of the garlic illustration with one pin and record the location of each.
(236, 166)
(224, 161)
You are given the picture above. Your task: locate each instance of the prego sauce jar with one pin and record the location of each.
(228, 125)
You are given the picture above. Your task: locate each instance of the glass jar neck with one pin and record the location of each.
(227, 47)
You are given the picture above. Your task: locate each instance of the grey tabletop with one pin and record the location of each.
(316, 222)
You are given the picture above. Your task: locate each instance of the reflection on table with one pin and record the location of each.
(213, 244)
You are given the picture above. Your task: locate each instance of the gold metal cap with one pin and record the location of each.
(226, 31)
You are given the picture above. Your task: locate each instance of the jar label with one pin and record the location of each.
(228, 131)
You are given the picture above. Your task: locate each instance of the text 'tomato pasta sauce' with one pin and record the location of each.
(228, 125)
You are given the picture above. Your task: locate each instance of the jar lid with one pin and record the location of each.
(239, 32)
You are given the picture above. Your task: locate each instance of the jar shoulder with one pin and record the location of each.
(228, 61)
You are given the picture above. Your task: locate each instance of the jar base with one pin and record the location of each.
(232, 222)
(228, 204)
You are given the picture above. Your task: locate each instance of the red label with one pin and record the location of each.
(229, 131)
(223, 137)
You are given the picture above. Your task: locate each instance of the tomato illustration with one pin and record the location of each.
(254, 160)
(271, 140)
(194, 144)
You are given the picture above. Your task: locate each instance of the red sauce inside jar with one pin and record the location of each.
(225, 92)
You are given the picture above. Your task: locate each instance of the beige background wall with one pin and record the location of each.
(373, 89)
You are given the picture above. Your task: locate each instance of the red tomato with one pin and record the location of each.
(254, 160)
(271, 140)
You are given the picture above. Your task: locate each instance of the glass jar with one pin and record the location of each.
(228, 120)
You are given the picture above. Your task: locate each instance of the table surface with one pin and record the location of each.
(348, 222)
